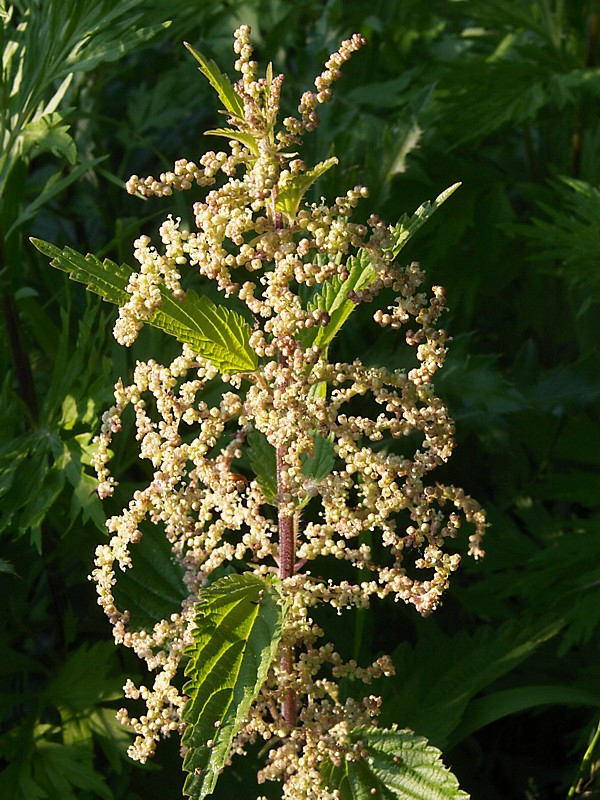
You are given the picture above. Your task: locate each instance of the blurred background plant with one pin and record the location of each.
(501, 95)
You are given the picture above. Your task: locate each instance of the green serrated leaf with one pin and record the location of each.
(406, 228)
(220, 83)
(334, 299)
(154, 588)
(263, 461)
(214, 332)
(230, 133)
(399, 766)
(290, 193)
(320, 463)
(239, 621)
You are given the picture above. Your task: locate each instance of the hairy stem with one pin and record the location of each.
(287, 558)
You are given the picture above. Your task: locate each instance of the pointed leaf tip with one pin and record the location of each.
(214, 332)
(220, 82)
(399, 766)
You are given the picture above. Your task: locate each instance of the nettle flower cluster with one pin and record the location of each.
(370, 509)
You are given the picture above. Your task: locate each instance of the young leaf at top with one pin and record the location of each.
(239, 619)
(399, 766)
(220, 83)
(212, 331)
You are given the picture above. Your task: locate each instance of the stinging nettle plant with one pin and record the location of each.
(268, 460)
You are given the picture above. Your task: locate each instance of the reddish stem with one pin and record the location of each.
(287, 558)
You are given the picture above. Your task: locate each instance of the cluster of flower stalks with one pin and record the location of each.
(350, 446)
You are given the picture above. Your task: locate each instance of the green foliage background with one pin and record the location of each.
(501, 95)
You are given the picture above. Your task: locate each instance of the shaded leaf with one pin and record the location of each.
(154, 588)
(85, 679)
(569, 233)
(492, 707)
(60, 768)
(431, 695)
(53, 186)
(7, 567)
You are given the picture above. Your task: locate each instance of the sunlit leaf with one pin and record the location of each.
(220, 83)
(407, 226)
(47, 134)
(239, 621)
(398, 765)
(334, 299)
(230, 133)
(291, 192)
(212, 331)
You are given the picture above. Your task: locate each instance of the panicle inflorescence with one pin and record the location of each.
(386, 430)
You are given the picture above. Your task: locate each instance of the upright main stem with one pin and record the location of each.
(287, 535)
(287, 560)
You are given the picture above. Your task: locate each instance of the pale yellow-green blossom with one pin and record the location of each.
(387, 427)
